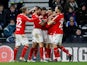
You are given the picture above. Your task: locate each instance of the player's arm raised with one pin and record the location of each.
(32, 10)
(30, 19)
(52, 21)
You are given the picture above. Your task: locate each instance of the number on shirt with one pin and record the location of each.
(19, 22)
(61, 23)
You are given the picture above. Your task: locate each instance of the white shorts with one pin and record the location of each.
(45, 36)
(56, 39)
(37, 35)
(21, 39)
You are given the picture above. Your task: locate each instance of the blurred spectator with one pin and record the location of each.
(50, 3)
(5, 3)
(71, 3)
(70, 13)
(81, 2)
(13, 12)
(9, 30)
(71, 20)
(70, 31)
(82, 15)
(56, 3)
(3, 18)
(19, 3)
(77, 37)
(63, 2)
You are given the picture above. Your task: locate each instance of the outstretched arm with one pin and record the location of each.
(30, 19)
(52, 21)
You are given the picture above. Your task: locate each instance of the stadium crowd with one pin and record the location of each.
(75, 25)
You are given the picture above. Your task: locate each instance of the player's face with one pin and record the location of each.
(43, 12)
(78, 32)
(27, 11)
(57, 10)
(71, 19)
(12, 9)
(39, 11)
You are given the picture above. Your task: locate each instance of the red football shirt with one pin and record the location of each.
(20, 25)
(45, 17)
(36, 22)
(57, 27)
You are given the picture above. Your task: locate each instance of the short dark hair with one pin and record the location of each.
(44, 8)
(37, 7)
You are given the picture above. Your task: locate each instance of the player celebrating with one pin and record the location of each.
(61, 46)
(20, 34)
(54, 36)
(45, 34)
(34, 49)
(37, 34)
(56, 32)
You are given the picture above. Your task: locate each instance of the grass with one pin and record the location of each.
(45, 63)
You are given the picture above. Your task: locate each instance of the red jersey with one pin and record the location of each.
(36, 22)
(44, 18)
(20, 25)
(57, 26)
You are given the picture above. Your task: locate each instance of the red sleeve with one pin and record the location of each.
(30, 19)
(55, 18)
(62, 16)
(47, 26)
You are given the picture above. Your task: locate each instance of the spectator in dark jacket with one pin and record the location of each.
(55, 3)
(82, 15)
(50, 3)
(78, 37)
(81, 2)
(9, 30)
(2, 18)
(5, 3)
(70, 31)
(12, 14)
(70, 13)
(71, 3)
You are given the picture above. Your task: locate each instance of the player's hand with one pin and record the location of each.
(40, 17)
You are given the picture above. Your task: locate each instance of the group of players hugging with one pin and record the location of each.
(47, 34)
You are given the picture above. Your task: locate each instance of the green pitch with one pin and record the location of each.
(45, 63)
